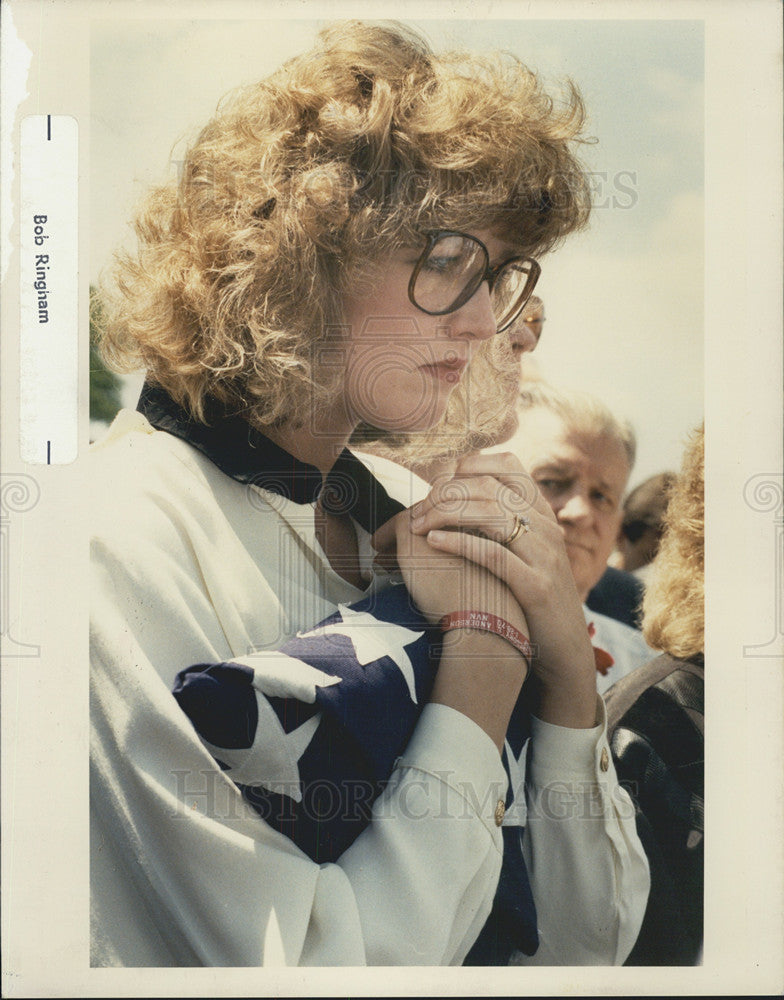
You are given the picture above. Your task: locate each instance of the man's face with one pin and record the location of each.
(583, 477)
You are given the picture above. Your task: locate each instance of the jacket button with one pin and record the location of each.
(500, 809)
(604, 761)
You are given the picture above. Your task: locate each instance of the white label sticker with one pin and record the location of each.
(49, 322)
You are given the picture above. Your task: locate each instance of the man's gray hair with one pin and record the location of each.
(580, 412)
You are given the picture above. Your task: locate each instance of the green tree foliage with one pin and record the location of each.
(105, 398)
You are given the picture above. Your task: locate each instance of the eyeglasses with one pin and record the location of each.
(451, 269)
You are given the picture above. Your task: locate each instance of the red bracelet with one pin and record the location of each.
(490, 623)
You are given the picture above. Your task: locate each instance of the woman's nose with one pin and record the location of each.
(476, 317)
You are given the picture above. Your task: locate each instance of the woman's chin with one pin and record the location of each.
(407, 426)
(421, 416)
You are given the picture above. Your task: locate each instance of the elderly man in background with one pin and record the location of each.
(580, 456)
(619, 593)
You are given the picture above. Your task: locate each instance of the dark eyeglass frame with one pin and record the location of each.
(489, 274)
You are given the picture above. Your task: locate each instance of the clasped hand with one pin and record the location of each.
(450, 550)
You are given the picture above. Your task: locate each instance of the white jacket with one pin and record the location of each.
(194, 566)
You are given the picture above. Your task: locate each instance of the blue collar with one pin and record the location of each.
(245, 454)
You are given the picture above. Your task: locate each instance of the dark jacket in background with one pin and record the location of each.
(655, 721)
(618, 595)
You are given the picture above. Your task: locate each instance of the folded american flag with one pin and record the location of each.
(311, 732)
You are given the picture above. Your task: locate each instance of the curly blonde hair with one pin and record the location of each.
(304, 181)
(674, 604)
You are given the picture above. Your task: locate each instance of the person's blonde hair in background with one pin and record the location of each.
(656, 721)
(674, 605)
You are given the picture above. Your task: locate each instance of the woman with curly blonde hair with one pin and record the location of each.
(656, 718)
(344, 774)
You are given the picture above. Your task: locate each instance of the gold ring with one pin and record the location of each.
(520, 525)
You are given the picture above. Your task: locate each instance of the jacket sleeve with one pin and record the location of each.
(588, 871)
(656, 726)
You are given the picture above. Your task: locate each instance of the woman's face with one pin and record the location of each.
(401, 363)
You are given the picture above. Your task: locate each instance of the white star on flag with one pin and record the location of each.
(517, 812)
(373, 639)
(272, 760)
(278, 675)
(299, 738)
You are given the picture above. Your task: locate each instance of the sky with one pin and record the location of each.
(624, 300)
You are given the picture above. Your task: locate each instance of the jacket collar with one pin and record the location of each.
(243, 453)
